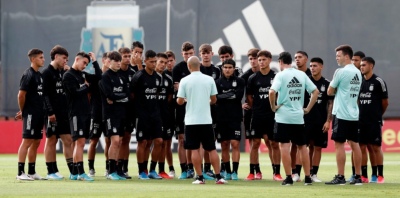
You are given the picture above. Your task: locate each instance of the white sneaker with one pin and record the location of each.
(59, 175)
(92, 173)
(24, 177)
(221, 181)
(314, 178)
(296, 177)
(36, 177)
(171, 174)
(53, 176)
(198, 181)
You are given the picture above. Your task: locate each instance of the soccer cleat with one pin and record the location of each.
(235, 176)
(143, 176)
(190, 173)
(351, 178)
(223, 174)
(357, 182)
(73, 177)
(198, 181)
(307, 181)
(221, 181)
(258, 176)
(171, 174)
(374, 179)
(122, 175)
(183, 175)
(114, 176)
(164, 175)
(337, 181)
(314, 178)
(296, 177)
(210, 173)
(250, 177)
(84, 177)
(207, 177)
(277, 177)
(364, 179)
(228, 176)
(24, 177)
(153, 175)
(36, 177)
(381, 179)
(53, 176)
(288, 181)
(92, 173)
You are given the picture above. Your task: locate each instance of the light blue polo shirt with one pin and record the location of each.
(347, 82)
(197, 89)
(291, 85)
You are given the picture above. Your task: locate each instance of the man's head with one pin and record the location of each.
(187, 50)
(115, 60)
(264, 58)
(162, 60)
(344, 54)
(225, 52)
(252, 55)
(356, 60)
(193, 64)
(36, 57)
(285, 59)
(81, 61)
(228, 67)
(150, 60)
(171, 60)
(206, 53)
(137, 48)
(301, 58)
(105, 61)
(126, 55)
(316, 66)
(367, 65)
(59, 56)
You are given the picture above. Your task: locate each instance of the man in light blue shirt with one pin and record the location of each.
(198, 91)
(345, 86)
(291, 85)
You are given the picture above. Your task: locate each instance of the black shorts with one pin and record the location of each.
(228, 131)
(179, 119)
(199, 134)
(60, 127)
(285, 133)
(167, 131)
(129, 124)
(97, 128)
(261, 127)
(371, 133)
(115, 127)
(343, 130)
(33, 126)
(148, 129)
(314, 133)
(79, 126)
(247, 119)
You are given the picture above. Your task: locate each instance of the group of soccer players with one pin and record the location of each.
(131, 94)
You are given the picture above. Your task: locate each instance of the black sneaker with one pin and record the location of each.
(357, 182)
(124, 176)
(337, 181)
(288, 181)
(307, 180)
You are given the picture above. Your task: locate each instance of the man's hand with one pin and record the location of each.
(66, 68)
(109, 101)
(326, 127)
(306, 111)
(52, 118)
(18, 115)
(245, 106)
(275, 108)
(176, 86)
(92, 56)
(137, 59)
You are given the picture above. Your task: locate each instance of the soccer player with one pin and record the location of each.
(373, 102)
(317, 122)
(199, 91)
(31, 111)
(166, 90)
(137, 53)
(225, 52)
(114, 96)
(345, 86)
(229, 116)
(356, 60)
(262, 122)
(145, 84)
(290, 84)
(178, 72)
(76, 83)
(57, 125)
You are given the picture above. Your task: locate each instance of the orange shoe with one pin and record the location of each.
(250, 177)
(277, 177)
(381, 180)
(164, 175)
(364, 179)
(258, 176)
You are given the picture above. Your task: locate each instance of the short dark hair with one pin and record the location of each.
(265, 53)
(136, 44)
(114, 55)
(186, 46)
(346, 50)
(205, 48)
(170, 53)
(124, 50)
(359, 53)
(34, 52)
(83, 54)
(369, 60)
(225, 49)
(317, 60)
(302, 52)
(286, 58)
(253, 52)
(58, 49)
(105, 54)
(150, 54)
(230, 62)
(162, 55)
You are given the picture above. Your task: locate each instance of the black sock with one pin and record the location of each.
(200, 177)
(55, 167)
(340, 176)
(31, 168)
(298, 169)
(70, 165)
(218, 176)
(222, 167)
(119, 166)
(235, 166)
(380, 170)
(140, 167)
(75, 169)
(375, 170)
(161, 167)
(277, 169)
(153, 165)
(125, 165)
(273, 168)
(107, 166)
(252, 168)
(364, 171)
(21, 168)
(171, 168)
(145, 165)
(80, 167)
(202, 169)
(183, 167)
(315, 169)
(353, 170)
(91, 164)
(113, 164)
(293, 171)
(228, 167)
(207, 167)
(190, 166)
(49, 167)
(357, 176)
(257, 168)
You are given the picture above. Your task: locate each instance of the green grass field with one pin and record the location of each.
(10, 187)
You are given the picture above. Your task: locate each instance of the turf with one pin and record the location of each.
(10, 187)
